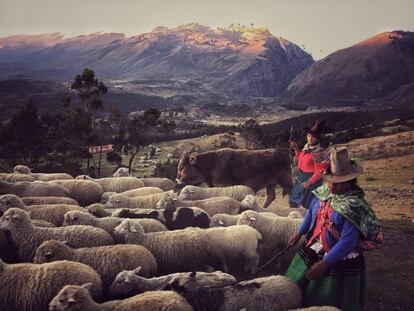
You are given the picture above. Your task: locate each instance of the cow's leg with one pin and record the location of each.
(270, 195)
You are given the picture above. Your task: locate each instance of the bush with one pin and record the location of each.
(166, 170)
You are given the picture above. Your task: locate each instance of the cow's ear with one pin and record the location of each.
(193, 158)
(185, 156)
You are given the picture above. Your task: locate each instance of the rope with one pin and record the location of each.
(258, 270)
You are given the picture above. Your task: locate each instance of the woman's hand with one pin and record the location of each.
(294, 239)
(317, 270)
(306, 184)
(293, 145)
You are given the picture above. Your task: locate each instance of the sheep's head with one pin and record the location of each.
(187, 192)
(181, 282)
(15, 218)
(216, 221)
(129, 226)
(81, 177)
(22, 169)
(71, 295)
(295, 214)
(115, 200)
(122, 285)
(8, 201)
(51, 251)
(121, 172)
(168, 200)
(72, 218)
(246, 218)
(97, 210)
(250, 202)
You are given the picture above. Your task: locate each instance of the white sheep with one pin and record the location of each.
(128, 283)
(274, 292)
(132, 193)
(145, 201)
(108, 224)
(77, 298)
(85, 192)
(211, 205)
(175, 251)
(33, 189)
(122, 172)
(22, 169)
(233, 242)
(27, 237)
(225, 220)
(108, 260)
(48, 200)
(164, 183)
(275, 231)
(30, 287)
(238, 192)
(118, 185)
(52, 213)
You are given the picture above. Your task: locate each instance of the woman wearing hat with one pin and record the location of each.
(338, 226)
(311, 162)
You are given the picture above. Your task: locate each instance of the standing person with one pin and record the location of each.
(339, 225)
(311, 162)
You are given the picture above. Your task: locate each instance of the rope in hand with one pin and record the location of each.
(258, 270)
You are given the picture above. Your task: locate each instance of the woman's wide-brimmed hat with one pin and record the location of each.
(316, 129)
(341, 168)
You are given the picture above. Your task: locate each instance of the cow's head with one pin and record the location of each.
(187, 171)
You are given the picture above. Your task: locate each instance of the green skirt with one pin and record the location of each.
(343, 286)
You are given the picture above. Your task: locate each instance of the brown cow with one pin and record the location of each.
(227, 167)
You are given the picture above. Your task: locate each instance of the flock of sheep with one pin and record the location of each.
(126, 243)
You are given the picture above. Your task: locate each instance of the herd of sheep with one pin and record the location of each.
(126, 243)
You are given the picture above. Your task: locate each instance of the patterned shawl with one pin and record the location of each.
(353, 207)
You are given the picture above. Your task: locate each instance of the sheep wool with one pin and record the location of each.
(85, 192)
(149, 301)
(27, 237)
(238, 192)
(48, 200)
(33, 189)
(175, 251)
(108, 261)
(31, 287)
(128, 283)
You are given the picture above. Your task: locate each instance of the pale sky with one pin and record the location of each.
(323, 26)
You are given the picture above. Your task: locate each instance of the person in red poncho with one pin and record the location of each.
(312, 161)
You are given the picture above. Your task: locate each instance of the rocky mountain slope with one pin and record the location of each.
(232, 60)
(377, 70)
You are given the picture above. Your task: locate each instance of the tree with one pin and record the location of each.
(253, 134)
(89, 90)
(141, 129)
(23, 136)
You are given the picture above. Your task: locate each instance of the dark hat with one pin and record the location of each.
(316, 129)
(341, 167)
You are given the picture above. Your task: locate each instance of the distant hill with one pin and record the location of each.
(234, 60)
(364, 73)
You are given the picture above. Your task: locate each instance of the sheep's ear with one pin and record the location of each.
(137, 270)
(174, 198)
(252, 218)
(71, 300)
(87, 286)
(133, 229)
(193, 274)
(193, 158)
(65, 242)
(221, 222)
